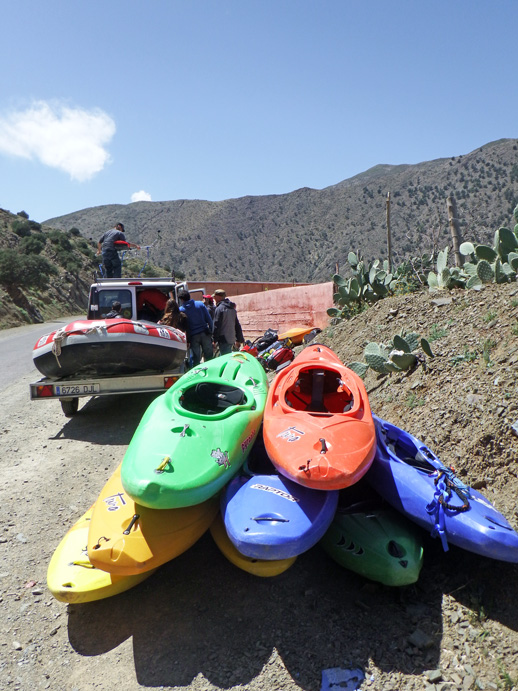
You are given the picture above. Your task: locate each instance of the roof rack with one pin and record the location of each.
(165, 279)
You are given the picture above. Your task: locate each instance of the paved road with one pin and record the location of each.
(16, 349)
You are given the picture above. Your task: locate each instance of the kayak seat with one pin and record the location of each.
(319, 391)
(316, 405)
(207, 398)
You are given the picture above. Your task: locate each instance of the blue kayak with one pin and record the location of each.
(414, 481)
(267, 516)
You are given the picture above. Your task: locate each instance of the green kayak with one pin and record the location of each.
(373, 539)
(194, 438)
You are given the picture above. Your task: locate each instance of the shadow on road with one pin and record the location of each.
(199, 613)
(107, 419)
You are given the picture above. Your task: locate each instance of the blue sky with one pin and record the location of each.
(114, 101)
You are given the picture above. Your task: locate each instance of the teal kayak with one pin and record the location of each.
(194, 438)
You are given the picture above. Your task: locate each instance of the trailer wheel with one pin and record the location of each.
(69, 406)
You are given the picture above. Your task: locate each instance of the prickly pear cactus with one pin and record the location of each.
(484, 252)
(376, 356)
(402, 360)
(485, 271)
(359, 367)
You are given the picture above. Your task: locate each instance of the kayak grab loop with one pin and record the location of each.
(131, 524)
(199, 370)
(446, 481)
(102, 538)
(185, 428)
(445, 484)
(163, 465)
(305, 468)
(324, 446)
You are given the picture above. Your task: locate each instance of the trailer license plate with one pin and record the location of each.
(76, 390)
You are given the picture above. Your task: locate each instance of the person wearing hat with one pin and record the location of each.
(208, 301)
(227, 329)
(106, 246)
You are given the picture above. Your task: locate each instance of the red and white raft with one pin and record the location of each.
(109, 347)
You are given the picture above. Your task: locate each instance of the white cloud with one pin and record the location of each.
(141, 196)
(70, 139)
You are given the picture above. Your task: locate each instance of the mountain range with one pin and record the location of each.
(306, 235)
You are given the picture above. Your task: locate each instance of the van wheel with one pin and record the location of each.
(70, 406)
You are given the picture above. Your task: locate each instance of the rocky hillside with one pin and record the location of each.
(303, 235)
(45, 272)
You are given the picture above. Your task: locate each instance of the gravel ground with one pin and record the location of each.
(200, 623)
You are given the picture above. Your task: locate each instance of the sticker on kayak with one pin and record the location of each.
(164, 333)
(246, 443)
(221, 457)
(115, 502)
(277, 491)
(291, 434)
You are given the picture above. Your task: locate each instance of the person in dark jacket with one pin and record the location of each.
(106, 246)
(227, 329)
(208, 301)
(115, 312)
(199, 327)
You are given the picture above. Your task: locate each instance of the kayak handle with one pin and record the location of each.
(163, 465)
(185, 428)
(98, 545)
(132, 523)
(85, 564)
(271, 518)
(324, 445)
(305, 468)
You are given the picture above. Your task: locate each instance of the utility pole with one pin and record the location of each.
(454, 229)
(389, 238)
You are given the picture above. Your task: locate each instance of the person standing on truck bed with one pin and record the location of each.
(107, 247)
(199, 327)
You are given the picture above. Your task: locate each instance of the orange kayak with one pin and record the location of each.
(318, 426)
(126, 538)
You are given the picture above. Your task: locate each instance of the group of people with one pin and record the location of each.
(208, 324)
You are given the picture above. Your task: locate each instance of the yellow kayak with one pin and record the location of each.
(297, 333)
(257, 567)
(126, 538)
(72, 578)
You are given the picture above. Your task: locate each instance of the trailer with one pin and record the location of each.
(69, 390)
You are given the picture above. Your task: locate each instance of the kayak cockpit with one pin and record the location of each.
(211, 398)
(319, 391)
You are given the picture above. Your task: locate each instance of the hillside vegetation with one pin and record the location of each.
(304, 234)
(46, 272)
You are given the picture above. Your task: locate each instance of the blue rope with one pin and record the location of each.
(445, 482)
